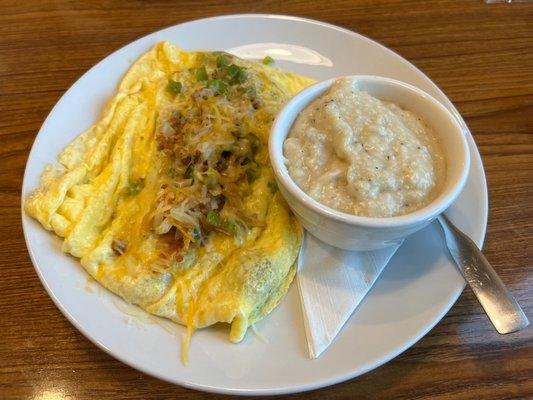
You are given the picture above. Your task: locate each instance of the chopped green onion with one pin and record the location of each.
(221, 61)
(240, 77)
(273, 187)
(174, 87)
(252, 172)
(255, 142)
(134, 188)
(211, 179)
(251, 91)
(232, 226)
(233, 71)
(268, 60)
(218, 85)
(171, 172)
(201, 74)
(188, 172)
(213, 218)
(236, 74)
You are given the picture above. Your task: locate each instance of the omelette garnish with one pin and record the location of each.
(169, 200)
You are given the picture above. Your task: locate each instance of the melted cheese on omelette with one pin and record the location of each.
(169, 199)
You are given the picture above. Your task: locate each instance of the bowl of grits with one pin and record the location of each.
(365, 161)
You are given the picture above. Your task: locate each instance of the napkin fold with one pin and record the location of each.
(332, 282)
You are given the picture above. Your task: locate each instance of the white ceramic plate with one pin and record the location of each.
(414, 293)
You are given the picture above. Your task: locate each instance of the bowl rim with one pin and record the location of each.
(426, 213)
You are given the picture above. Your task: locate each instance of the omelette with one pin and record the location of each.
(169, 200)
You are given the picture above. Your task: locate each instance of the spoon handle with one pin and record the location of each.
(501, 307)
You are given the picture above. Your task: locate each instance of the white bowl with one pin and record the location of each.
(353, 232)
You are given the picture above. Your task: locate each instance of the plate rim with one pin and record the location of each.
(479, 240)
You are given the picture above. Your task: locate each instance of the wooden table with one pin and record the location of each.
(480, 55)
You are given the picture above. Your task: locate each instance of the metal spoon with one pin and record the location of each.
(501, 307)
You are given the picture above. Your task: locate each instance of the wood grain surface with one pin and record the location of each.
(481, 55)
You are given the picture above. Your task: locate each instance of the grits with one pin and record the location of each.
(363, 156)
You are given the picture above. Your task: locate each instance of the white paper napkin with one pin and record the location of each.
(332, 282)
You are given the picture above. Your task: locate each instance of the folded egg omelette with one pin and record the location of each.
(169, 200)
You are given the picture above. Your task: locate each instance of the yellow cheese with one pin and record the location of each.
(114, 182)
